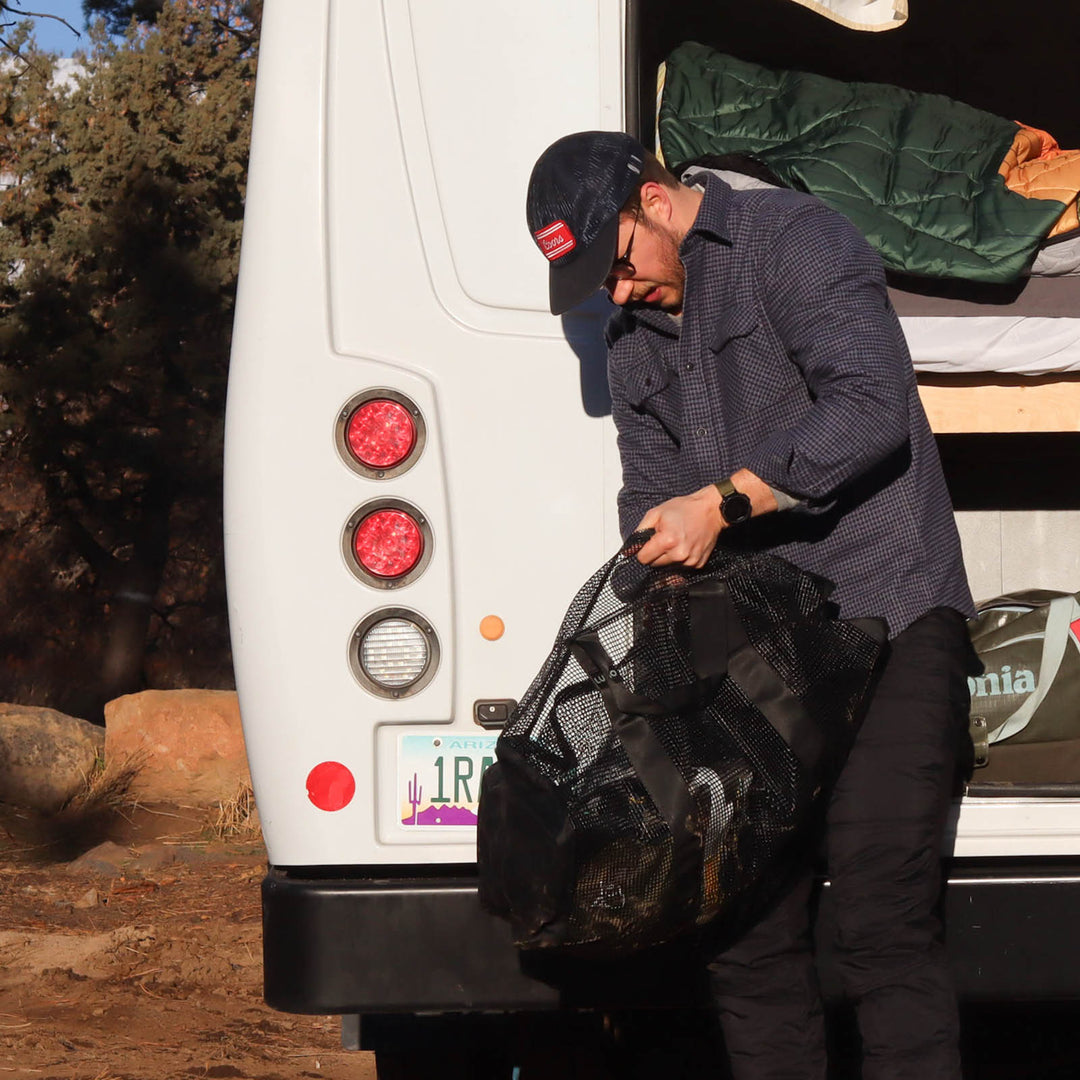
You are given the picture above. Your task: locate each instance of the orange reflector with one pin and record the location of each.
(492, 627)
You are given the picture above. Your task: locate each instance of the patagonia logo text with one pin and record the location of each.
(555, 240)
(1003, 682)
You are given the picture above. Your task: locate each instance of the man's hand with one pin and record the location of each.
(686, 528)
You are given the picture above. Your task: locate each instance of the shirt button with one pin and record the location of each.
(701, 431)
(689, 367)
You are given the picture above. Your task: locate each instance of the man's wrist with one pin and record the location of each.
(735, 505)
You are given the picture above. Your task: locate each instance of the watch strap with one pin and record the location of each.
(725, 487)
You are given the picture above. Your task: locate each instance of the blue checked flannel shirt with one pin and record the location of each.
(789, 361)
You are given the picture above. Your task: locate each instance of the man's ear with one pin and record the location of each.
(656, 202)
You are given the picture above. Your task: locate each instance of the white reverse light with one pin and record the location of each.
(394, 652)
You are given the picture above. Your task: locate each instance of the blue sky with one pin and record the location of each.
(49, 33)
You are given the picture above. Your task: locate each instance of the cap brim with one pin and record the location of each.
(572, 283)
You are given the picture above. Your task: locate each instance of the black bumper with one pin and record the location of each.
(383, 945)
(378, 944)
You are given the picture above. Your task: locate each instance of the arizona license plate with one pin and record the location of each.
(439, 778)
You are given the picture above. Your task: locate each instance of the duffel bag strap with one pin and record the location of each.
(598, 665)
(720, 649)
(651, 762)
(720, 643)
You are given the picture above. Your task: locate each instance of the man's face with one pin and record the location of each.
(648, 256)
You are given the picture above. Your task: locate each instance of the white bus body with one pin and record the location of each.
(386, 255)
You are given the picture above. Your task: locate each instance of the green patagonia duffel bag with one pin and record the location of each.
(1025, 707)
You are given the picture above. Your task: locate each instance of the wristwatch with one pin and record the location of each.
(734, 504)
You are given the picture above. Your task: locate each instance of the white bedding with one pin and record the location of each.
(1017, 345)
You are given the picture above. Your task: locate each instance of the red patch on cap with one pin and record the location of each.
(555, 240)
(1074, 626)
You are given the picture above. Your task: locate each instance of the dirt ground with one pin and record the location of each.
(142, 960)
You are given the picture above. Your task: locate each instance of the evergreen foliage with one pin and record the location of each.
(120, 217)
(118, 14)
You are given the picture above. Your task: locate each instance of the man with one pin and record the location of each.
(763, 394)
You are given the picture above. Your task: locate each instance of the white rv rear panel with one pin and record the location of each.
(385, 247)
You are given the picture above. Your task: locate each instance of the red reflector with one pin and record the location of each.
(330, 786)
(381, 434)
(388, 543)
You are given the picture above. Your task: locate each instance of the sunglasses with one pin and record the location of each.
(622, 269)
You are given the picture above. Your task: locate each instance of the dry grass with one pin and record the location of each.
(108, 788)
(237, 818)
(89, 816)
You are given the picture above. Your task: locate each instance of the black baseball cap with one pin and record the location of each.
(577, 188)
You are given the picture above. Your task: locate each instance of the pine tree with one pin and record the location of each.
(119, 13)
(119, 238)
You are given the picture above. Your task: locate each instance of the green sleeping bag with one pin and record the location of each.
(916, 173)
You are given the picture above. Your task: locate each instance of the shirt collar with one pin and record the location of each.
(661, 321)
(712, 215)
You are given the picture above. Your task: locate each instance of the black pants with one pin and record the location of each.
(883, 839)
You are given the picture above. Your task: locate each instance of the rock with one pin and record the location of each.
(107, 858)
(89, 899)
(111, 859)
(188, 743)
(154, 856)
(45, 756)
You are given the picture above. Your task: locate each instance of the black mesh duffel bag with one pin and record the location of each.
(672, 745)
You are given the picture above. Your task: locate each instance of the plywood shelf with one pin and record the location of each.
(1001, 403)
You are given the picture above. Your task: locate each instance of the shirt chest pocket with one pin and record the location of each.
(735, 330)
(654, 391)
(752, 364)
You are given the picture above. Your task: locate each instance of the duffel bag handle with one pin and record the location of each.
(635, 542)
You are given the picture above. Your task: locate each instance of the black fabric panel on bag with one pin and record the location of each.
(530, 879)
(655, 769)
(593, 658)
(713, 624)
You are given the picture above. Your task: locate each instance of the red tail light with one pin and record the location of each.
(380, 433)
(388, 543)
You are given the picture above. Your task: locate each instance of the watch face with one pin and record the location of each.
(735, 507)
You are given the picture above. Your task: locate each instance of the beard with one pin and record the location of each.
(671, 278)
